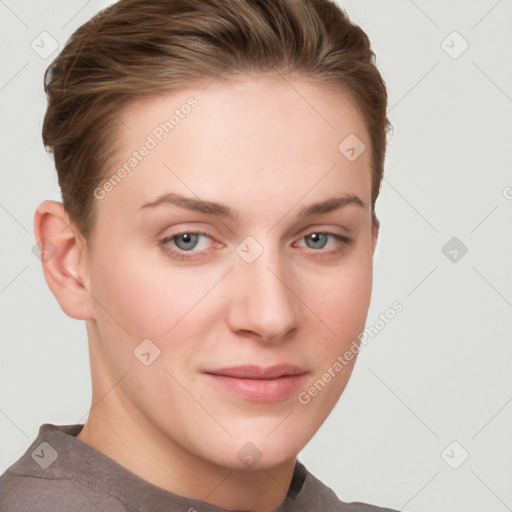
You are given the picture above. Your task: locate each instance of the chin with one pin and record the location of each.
(256, 449)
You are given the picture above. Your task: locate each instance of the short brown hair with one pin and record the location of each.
(136, 48)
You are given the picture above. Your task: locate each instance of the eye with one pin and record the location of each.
(320, 239)
(187, 241)
(181, 243)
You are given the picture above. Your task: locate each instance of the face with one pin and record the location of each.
(221, 294)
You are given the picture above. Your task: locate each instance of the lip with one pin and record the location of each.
(259, 384)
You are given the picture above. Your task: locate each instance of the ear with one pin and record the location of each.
(63, 255)
(375, 232)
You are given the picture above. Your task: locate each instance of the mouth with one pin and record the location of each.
(259, 384)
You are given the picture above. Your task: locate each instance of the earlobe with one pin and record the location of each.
(63, 257)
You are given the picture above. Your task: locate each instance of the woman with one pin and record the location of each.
(219, 162)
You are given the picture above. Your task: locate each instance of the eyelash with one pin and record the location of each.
(179, 254)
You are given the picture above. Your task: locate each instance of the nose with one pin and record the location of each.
(263, 304)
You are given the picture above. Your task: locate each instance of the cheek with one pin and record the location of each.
(342, 297)
(143, 297)
(342, 308)
(146, 297)
(341, 304)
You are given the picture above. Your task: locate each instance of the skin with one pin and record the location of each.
(266, 147)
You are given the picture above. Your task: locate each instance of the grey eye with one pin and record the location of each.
(319, 240)
(189, 241)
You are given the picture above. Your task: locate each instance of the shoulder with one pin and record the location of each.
(315, 495)
(49, 477)
(27, 493)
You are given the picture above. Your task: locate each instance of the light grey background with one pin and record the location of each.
(440, 371)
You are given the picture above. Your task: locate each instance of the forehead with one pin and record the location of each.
(271, 138)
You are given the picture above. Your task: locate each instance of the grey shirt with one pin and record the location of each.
(59, 473)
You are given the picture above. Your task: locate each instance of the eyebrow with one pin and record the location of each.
(213, 208)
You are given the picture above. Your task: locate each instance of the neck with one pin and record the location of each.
(163, 463)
